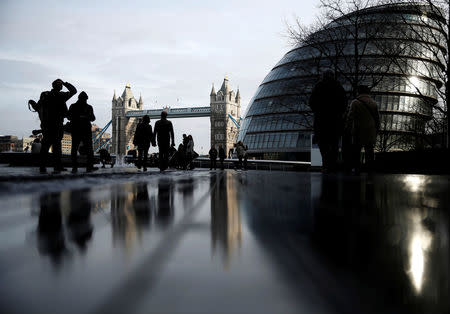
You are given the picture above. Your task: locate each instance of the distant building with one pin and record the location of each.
(123, 128)
(66, 143)
(23, 143)
(225, 106)
(8, 143)
(278, 121)
(104, 138)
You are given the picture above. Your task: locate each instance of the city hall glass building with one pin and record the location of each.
(401, 72)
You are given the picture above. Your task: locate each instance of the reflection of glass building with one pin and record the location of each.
(278, 124)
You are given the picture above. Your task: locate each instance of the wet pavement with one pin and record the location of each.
(224, 242)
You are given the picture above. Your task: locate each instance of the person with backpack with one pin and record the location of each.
(52, 111)
(363, 121)
(81, 115)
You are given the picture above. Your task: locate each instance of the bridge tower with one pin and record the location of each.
(223, 104)
(122, 127)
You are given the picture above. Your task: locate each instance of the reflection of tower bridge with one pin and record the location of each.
(224, 112)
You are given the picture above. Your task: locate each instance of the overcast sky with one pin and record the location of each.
(169, 51)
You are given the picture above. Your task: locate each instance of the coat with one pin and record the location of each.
(143, 135)
(81, 115)
(164, 133)
(213, 153)
(241, 151)
(328, 102)
(53, 108)
(222, 154)
(363, 120)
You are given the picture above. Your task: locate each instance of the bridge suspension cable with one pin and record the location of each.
(236, 123)
(104, 145)
(97, 136)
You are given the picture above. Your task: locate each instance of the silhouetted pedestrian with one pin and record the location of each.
(190, 154)
(230, 153)
(53, 110)
(105, 158)
(364, 122)
(181, 156)
(221, 155)
(212, 158)
(36, 146)
(241, 151)
(328, 103)
(165, 136)
(142, 139)
(81, 115)
(185, 140)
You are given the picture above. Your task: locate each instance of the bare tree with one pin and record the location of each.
(425, 34)
(346, 38)
(365, 48)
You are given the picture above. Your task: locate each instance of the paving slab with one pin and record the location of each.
(223, 242)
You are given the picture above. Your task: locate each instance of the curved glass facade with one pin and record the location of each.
(278, 121)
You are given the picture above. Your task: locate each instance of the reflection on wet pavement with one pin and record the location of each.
(229, 242)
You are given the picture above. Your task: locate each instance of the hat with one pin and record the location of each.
(83, 96)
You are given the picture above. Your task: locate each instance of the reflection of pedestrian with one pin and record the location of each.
(81, 115)
(164, 135)
(164, 215)
(363, 121)
(221, 155)
(328, 103)
(141, 205)
(53, 111)
(79, 218)
(142, 139)
(212, 158)
(50, 229)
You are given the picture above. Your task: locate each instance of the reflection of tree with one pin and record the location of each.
(226, 230)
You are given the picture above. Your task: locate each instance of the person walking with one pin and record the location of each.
(212, 158)
(81, 115)
(165, 137)
(230, 153)
(53, 110)
(328, 103)
(222, 155)
(143, 136)
(242, 155)
(363, 121)
(190, 152)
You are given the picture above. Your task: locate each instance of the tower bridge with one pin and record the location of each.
(173, 113)
(224, 113)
